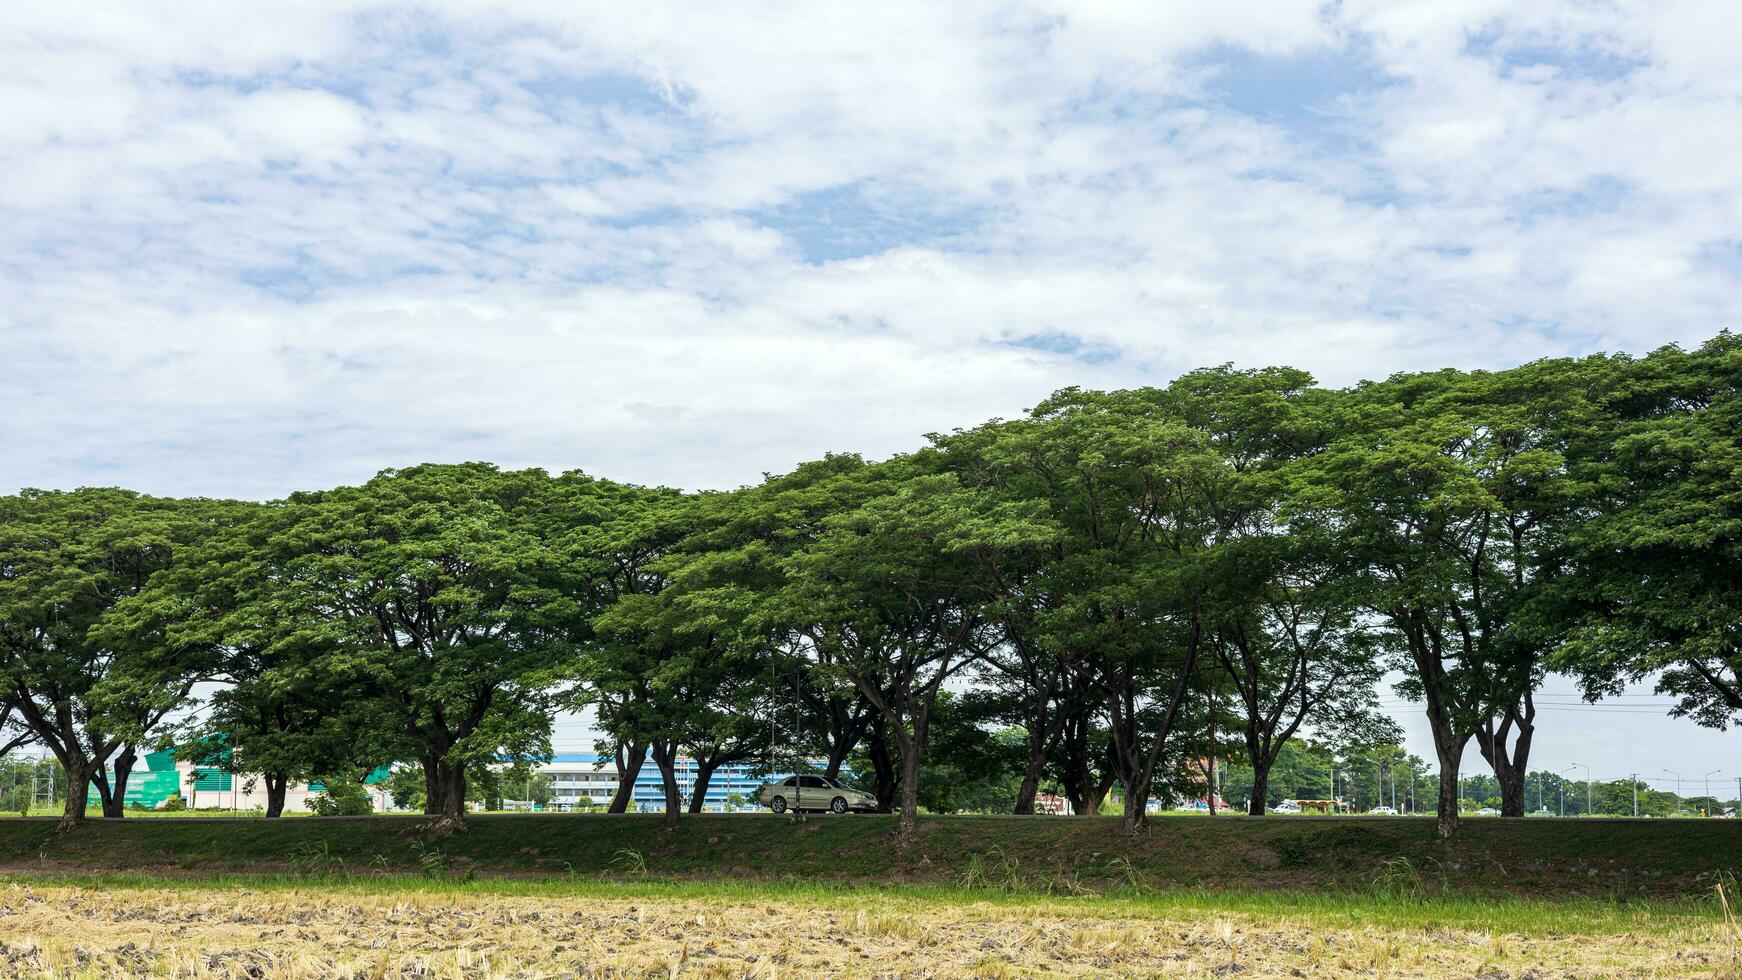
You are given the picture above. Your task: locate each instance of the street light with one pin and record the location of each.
(1709, 776)
(1581, 765)
(1678, 790)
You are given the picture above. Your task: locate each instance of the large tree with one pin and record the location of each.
(1451, 494)
(66, 560)
(1658, 587)
(883, 595)
(425, 600)
(1288, 634)
(1121, 489)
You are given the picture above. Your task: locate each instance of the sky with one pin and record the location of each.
(246, 249)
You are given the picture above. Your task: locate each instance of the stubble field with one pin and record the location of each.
(393, 927)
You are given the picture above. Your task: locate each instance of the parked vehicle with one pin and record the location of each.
(814, 793)
(1286, 806)
(1383, 811)
(1487, 811)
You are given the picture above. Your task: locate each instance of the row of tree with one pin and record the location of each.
(1138, 582)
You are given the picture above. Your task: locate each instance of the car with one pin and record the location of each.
(1383, 811)
(1487, 811)
(1286, 806)
(814, 793)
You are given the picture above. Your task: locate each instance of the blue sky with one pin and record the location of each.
(253, 249)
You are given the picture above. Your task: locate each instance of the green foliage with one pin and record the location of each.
(1655, 594)
(343, 798)
(85, 672)
(1110, 591)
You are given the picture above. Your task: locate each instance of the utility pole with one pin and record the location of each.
(1634, 778)
(1678, 790)
(1709, 776)
(1581, 765)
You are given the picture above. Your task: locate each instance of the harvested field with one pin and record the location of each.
(49, 928)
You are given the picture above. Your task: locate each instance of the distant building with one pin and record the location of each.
(158, 776)
(578, 776)
(1051, 803)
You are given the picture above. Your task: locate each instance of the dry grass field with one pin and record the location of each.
(378, 928)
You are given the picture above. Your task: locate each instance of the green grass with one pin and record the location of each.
(1282, 858)
(1330, 909)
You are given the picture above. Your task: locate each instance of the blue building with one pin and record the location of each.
(587, 775)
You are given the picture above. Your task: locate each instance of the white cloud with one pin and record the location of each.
(249, 248)
(247, 251)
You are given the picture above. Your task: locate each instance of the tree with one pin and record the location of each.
(1657, 592)
(280, 710)
(661, 668)
(1120, 488)
(882, 595)
(426, 596)
(1451, 494)
(75, 681)
(1288, 633)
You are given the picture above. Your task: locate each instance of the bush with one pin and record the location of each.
(174, 803)
(343, 798)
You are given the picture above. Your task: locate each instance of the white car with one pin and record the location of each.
(1487, 811)
(815, 793)
(1286, 806)
(1383, 811)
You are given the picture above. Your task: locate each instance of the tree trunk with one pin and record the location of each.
(1098, 791)
(1450, 752)
(883, 771)
(78, 784)
(704, 776)
(630, 759)
(1260, 789)
(1082, 789)
(115, 801)
(1040, 745)
(908, 822)
(1030, 787)
(433, 789)
(276, 784)
(1511, 769)
(451, 819)
(665, 757)
(1136, 815)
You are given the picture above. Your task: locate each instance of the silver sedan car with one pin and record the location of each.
(814, 793)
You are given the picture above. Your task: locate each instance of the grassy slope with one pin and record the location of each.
(1539, 858)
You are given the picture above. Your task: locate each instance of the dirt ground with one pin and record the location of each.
(59, 931)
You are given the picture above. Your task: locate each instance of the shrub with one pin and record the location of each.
(174, 802)
(343, 798)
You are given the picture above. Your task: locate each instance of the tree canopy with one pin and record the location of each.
(1131, 594)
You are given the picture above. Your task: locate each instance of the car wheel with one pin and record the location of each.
(838, 804)
(779, 804)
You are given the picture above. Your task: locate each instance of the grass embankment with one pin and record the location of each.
(1607, 859)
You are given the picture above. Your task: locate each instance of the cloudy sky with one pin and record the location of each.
(249, 248)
